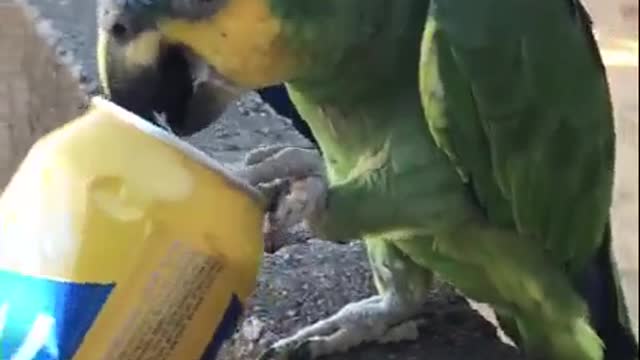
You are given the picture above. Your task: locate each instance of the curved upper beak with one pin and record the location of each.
(143, 73)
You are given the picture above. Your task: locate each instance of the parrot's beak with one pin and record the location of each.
(162, 82)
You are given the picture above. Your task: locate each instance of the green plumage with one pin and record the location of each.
(516, 93)
(520, 97)
(473, 139)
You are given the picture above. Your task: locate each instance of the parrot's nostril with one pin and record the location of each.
(119, 31)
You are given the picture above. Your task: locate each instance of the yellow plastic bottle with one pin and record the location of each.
(118, 241)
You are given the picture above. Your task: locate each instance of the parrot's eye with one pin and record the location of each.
(197, 9)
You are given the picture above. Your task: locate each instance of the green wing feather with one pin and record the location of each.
(515, 92)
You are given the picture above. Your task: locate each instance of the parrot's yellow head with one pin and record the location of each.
(188, 59)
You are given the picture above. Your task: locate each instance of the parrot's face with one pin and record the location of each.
(187, 59)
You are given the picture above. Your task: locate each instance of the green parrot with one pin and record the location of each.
(472, 139)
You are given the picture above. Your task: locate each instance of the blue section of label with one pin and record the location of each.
(43, 319)
(225, 330)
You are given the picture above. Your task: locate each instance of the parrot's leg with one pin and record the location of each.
(403, 288)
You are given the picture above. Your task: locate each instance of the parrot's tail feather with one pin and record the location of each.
(600, 286)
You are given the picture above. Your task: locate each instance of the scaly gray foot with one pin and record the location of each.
(380, 319)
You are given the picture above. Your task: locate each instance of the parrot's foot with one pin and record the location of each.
(305, 200)
(381, 319)
(292, 178)
(271, 163)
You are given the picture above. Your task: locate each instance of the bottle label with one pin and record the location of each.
(42, 319)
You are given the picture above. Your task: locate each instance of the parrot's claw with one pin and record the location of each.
(291, 179)
(298, 351)
(258, 155)
(376, 319)
(305, 201)
(267, 164)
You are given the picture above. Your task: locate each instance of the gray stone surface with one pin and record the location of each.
(306, 280)
(304, 283)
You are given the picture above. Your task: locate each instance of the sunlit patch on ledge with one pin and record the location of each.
(618, 51)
